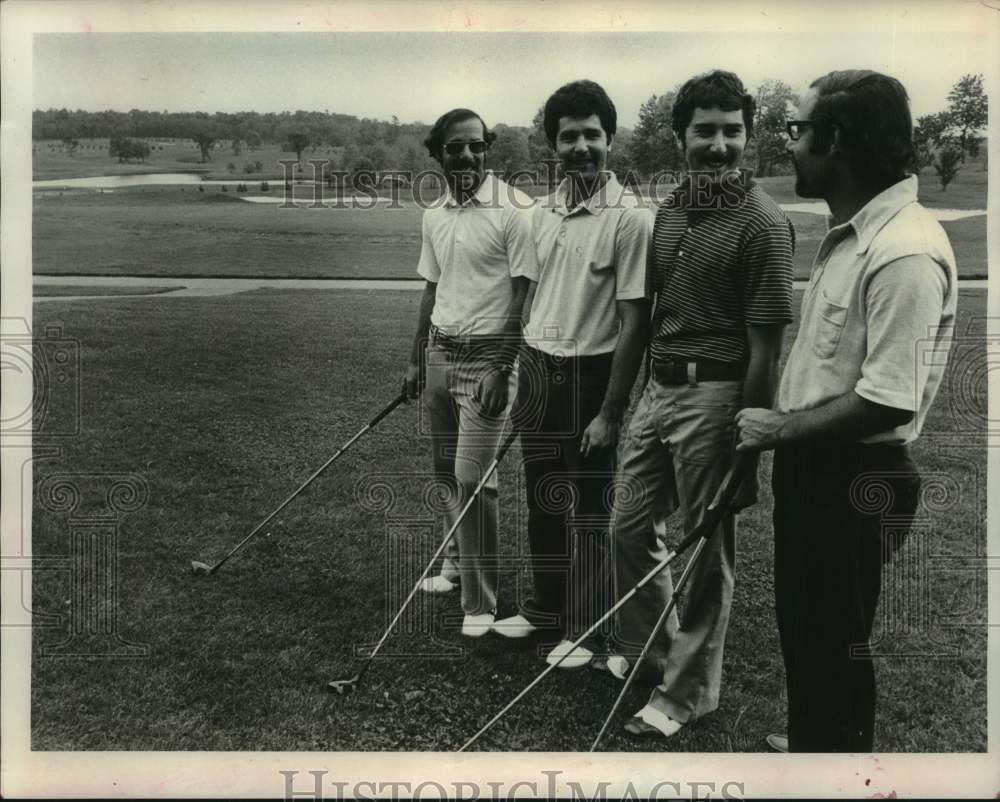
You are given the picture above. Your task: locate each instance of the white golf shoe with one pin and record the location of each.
(475, 626)
(517, 626)
(575, 658)
(437, 584)
(779, 743)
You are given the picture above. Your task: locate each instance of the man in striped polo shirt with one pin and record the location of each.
(477, 257)
(584, 338)
(721, 269)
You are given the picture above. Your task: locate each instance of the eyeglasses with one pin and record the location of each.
(794, 128)
(477, 146)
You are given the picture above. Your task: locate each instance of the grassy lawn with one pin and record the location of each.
(179, 231)
(223, 405)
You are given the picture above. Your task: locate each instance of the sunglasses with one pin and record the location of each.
(477, 146)
(794, 128)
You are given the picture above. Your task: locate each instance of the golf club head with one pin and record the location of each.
(343, 686)
(201, 568)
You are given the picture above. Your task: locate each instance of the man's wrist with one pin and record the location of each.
(783, 432)
(612, 411)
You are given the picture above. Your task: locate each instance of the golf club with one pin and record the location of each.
(709, 519)
(706, 526)
(347, 685)
(201, 568)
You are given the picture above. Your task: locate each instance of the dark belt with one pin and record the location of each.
(571, 364)
(472, 341)
(702, 370)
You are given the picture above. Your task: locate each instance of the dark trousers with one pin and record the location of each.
(569, 498)
(830, 504)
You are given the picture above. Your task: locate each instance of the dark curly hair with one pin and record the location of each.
(435, 139)
(579, 99)
(872, 113)
(717, 89)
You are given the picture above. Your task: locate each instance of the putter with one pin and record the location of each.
(344, 686)
(203, 569)
(709, 519)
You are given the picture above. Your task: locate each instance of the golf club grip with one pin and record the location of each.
(398, 400)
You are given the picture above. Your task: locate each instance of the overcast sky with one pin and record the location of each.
(505, 76)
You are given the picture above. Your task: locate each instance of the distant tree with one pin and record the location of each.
(205, 140)
(509, 152)
(253, 140)
(931, 133)
(237, 146)
(126, 149)
(71, 145)
(391, 131)
(654, 146)
(947, 165)
(968, 109)
(620, 156)
(231, 167)
(766, 148)
(539, 150)
(297, 141)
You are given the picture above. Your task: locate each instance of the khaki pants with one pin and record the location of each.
(678, 448)
(464, 443)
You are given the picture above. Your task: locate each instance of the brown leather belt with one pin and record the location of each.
(702, 370)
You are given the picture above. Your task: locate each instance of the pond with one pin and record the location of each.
(120, 181)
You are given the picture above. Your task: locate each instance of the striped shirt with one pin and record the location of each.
(716, 268)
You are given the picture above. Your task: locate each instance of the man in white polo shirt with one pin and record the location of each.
(584, 337)
(863, 370)
(477, 258)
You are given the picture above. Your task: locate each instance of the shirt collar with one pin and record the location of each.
(609, 194)
(482, 196)
(874, 215)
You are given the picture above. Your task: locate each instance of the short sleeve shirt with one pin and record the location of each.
(878, 314)
(471, 251)
(721, 260)
(589, 258)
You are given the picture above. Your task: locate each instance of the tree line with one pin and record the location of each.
(943, 140)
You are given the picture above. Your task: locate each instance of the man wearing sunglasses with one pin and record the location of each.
(864, 368)
(477, 258)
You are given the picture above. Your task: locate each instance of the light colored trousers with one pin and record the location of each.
(464, 442)
(678, 448)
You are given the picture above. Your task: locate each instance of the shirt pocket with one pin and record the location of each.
(831, 318)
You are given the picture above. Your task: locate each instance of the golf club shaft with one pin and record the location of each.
(671, 604)
(723, 498)
(614, 609)
(340, 451)
(504, 446)
(706, 526)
